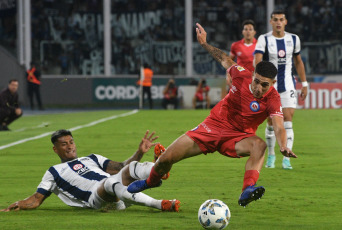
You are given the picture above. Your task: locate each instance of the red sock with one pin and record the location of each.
(251, 177)
(154, 177)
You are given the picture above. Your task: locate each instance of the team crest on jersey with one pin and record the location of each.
(77, 167)
(254, 106)
(240, 68)
(281, 53)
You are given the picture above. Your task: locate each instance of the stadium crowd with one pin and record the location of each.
(70, 34)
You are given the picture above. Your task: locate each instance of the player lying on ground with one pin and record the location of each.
(230, 128)
(94, 181)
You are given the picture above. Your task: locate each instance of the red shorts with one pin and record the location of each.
(213, 136)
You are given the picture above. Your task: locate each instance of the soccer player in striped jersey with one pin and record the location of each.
(243, 50)
(283, 50)
(230, 128)
(94, 181)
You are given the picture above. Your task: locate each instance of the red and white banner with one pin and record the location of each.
(321, 96)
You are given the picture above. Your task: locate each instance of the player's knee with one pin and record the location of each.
(132, 167)
(108, 185)
(260, 144)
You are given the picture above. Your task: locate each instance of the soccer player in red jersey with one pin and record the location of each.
(243, 50)
(230, 128)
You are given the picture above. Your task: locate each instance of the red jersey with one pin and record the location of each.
(244, 53)
(240, 110)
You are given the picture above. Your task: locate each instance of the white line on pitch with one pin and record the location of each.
(71, 129)
(43, 124)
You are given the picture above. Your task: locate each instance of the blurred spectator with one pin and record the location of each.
(154, 25)
(201, 96)
(9, 105)
(170, 93)
(147, 84)
(33, 85)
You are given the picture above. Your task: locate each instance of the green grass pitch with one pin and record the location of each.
(307, 197)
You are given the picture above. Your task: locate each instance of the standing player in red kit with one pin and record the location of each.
(230, 128)
(243, 50)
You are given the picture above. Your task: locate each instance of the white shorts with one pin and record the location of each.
(288, 99)
(95, 201)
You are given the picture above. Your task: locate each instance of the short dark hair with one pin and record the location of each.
(266, 69)
(59, 133)
(10, 81)
(278, 11)
(248, 22)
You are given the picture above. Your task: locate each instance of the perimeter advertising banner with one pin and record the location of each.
(123, 92)
(321, 96)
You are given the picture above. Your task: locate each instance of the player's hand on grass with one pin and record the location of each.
(287, 152)
(147, 142)
(12, 207)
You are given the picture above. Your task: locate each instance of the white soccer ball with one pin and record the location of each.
(214, 214)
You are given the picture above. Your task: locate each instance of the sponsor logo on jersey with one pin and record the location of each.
(239, 53)
(281, 60)
(233, 89)
(80, 169)
(206, 127)
(254, 106)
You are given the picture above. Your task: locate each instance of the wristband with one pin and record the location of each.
(305, 84)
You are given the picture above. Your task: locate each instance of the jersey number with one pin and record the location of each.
(292, 93)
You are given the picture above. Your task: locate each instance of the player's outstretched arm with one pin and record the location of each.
(280, 133)
(31, 202)
(216, 53)
(145, 145)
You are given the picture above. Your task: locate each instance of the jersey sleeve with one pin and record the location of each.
(233, 50)
(100, 160)
(47, 184)
(274, 105)
(261, 45)
(297, 47)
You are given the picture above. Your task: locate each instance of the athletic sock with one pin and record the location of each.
(290, 135)
(250, 178)
(154, 178)
(270, 139)
(135, 198)
(140, 171)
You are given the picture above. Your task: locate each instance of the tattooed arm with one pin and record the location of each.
(31, 202)
(216, 53)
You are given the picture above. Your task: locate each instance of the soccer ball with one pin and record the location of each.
(214, 214)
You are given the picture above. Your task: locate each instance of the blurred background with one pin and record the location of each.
(90, 52)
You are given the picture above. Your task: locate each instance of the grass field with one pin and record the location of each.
(307, 197)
